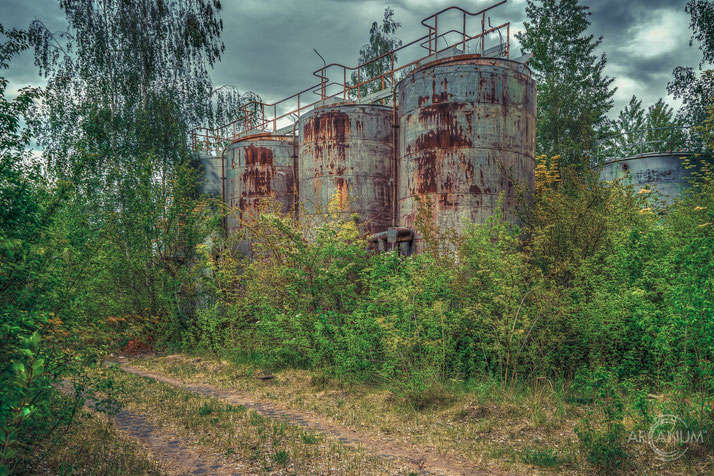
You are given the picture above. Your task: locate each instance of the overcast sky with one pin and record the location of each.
(269, 43)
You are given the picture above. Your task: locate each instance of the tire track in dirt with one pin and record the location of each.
(165, 446)
(162, 445)
(422, 462)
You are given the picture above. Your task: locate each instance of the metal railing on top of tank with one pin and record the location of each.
(282, 114)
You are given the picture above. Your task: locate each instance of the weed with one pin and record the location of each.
(279, 429)
(603, 447)
(603, 444)
(546, 458)
(256, 418)
(281, 457)
(308, 439)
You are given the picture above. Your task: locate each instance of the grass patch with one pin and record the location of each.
(547, 458)
(205, 409)
(281, 457)
(95, 447)
(479, 421)
(257, 419)
(308, 438)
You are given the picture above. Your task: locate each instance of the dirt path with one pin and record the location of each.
(175, 454)
(421, 461)
(166, 447)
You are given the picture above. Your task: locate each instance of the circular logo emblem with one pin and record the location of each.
(669, 437)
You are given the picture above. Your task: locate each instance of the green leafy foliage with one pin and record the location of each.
(109, 245)
(30, 413)
(602, 433)
(96, 237)
(574, 94)
(696, 91)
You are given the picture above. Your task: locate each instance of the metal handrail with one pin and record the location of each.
(464, 13)
(253, 117)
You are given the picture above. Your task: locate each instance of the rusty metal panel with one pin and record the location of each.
(258, 167)
(663, 172)
(347, 148)
(466, 134)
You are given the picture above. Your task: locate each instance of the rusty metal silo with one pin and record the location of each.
(257, 167)
(665, 172)
(348, 148)
(466, 133)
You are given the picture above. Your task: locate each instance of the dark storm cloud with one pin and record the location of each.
(644, 42)
(269, 43)
(19, 14)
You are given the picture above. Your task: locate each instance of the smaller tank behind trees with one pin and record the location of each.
(211, 174)
(668, 173)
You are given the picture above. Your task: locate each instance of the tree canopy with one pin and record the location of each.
(382, 40)
(696, 91)
(574, 94)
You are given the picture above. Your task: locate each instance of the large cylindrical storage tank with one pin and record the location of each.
(347, 149)
(258, 167)
(466, 133)
(663, 172)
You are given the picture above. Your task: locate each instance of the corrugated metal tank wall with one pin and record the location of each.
(347, 148)
(466, 133)
(258, 167)
(664, 172)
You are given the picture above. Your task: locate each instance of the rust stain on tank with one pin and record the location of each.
(327, 125)
(329, 131)
(256, 155)
(257, 182)
(426, 172)
(443, 96)
(258, 175)
(445, 202)
(342, 192)
(261, 167)
(440, 121)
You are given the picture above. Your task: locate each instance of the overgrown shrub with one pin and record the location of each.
(602, 433)
(594, 278)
